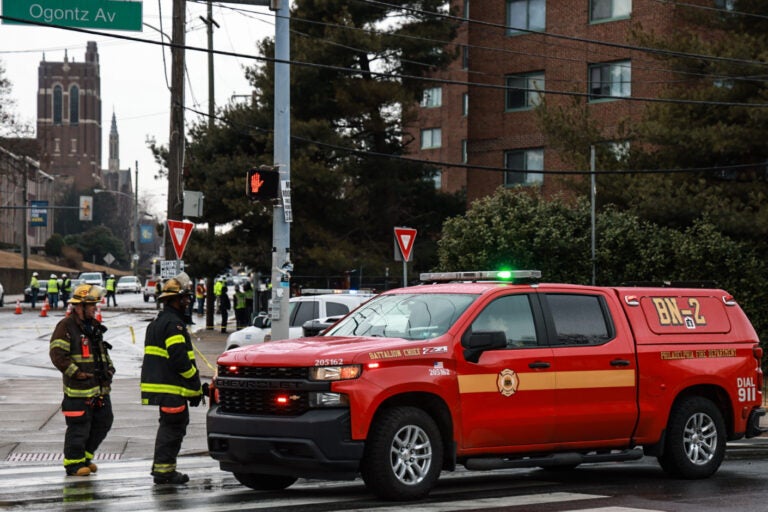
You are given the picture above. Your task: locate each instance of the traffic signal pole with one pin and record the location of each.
(281, 215)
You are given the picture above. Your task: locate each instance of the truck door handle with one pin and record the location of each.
(619, 362)
(539, 364)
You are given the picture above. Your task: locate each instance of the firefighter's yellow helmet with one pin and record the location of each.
(177, 286)
(87, 293)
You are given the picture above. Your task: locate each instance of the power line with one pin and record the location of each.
(393, 76)
(573, 172)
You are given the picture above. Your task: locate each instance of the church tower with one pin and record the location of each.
(69, 119)
(114, 146)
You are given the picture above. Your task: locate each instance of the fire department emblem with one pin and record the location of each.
(507, 382)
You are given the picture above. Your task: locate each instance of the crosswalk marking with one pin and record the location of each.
(127, 485)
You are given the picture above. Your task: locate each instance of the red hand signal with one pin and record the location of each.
(256, 182)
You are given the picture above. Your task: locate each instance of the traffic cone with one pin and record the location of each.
(18, 307)
(44, 309)
(69, 310)
(98, 312)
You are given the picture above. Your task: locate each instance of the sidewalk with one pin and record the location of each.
(32, 426)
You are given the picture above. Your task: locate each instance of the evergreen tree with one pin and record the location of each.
(349, 188)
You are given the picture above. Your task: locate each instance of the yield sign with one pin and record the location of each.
(405, 238)
(180, 231)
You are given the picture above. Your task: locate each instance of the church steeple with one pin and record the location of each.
(114, 146)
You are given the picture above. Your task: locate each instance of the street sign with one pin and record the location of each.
(109, 259)
(179, 231)
(171, 268)
(405, 238)
(99, 14)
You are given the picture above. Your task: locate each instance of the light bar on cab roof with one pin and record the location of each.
(488, 275)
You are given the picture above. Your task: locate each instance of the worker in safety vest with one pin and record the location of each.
(111, 282)
(200, 296)
(53, 292)
(34, 289)
(65, 290)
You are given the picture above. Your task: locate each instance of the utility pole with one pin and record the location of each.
(176, 132)
(209, 298)
(136, 221)
(281, 213)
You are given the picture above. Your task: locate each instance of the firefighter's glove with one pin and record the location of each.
(195, 401)
(206, 389)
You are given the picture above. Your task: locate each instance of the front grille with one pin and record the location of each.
(263, 402)
(266, 391)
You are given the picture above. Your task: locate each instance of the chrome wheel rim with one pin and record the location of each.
(410, 455)
(700, 439)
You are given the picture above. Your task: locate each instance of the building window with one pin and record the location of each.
(613, 80)
(601, 10)
(437, 178)
(728, 5)
(463, 151)
(465, 57)
(430, 138)
(524, 91)
(74, 104)
(57, 104)
(465, 104)
(525, 15)
(466, 9)
(73, 145)
(521, 165)
(432, 97)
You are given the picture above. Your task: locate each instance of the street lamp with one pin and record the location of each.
(135, 197)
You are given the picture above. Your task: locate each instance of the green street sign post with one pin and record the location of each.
(99, 14)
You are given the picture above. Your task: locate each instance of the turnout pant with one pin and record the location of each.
(173, 427)
(88, 422)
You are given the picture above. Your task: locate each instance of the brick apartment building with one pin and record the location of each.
(487, 119)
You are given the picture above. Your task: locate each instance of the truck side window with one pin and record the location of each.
(305, 310)
(512, 315)
(335, 309)
(579, 319)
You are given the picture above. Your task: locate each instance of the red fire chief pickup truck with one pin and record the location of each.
(491, 374)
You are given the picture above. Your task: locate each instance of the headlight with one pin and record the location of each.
(330, 373)
(324, 399)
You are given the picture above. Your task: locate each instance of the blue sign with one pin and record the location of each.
(147, 234)
(38, 214)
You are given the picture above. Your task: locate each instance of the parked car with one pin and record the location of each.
(2, 295)
(128, 284)
(93, 278)
(302, 309)
(42, 293)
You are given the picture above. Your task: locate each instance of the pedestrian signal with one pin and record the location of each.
(262, 183)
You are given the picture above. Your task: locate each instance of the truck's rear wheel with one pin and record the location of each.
(263, 482)
(403, 454)
(695, 440)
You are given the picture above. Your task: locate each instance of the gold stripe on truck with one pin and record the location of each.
(488, 382)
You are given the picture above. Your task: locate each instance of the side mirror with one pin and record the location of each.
(475, 343)
(261, 321)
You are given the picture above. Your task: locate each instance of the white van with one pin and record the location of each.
(301, 309)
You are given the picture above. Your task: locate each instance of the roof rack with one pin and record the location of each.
(505, 276)
(337, 291)
(671, 284)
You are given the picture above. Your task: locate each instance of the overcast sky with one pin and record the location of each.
(133, 75)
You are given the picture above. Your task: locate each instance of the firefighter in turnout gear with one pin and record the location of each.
(79, 351)
(169, 377)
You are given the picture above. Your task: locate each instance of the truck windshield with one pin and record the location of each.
(409, 316)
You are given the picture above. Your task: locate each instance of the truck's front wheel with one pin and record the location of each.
(263, 482)
(695, 441)
(403, 454)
